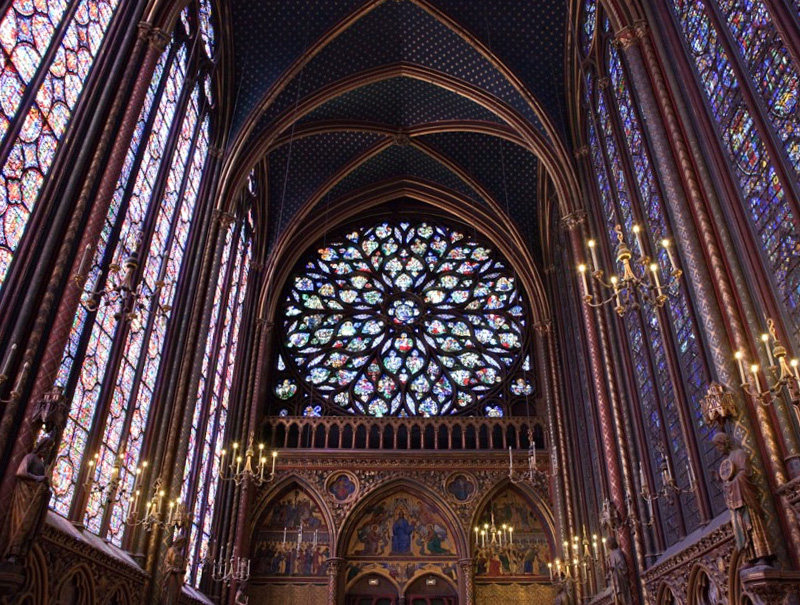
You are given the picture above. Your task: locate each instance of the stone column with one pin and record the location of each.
(608, 405)
(467, 567)
(335, 569)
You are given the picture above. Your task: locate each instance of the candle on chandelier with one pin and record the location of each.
(504, 537)
(654, 271)
(510, 461)
(754, 370)
(605, 547)
(593, 251)
(274, 457)
(739, 355)
(284, 535)
(511, 535)
(584, 280)
(637, 231)
(483, 538)
(476, 535)
(9, 360)
(594, 545)
(794, 364)
(21, 377)
(550, 569)
(84, 265)
(765, 340)
(666, 244)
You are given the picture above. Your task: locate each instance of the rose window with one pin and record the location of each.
(403, 319)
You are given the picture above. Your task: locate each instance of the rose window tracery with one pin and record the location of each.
(400, 318)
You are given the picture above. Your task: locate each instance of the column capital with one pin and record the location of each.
(630, 35)
(543, 327)
(573, 220)
(224, 219)
(215, 152)
(603, 82)
(155, 36)
(582, 152)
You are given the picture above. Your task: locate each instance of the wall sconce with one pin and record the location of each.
(245, 472)
(782, 374)
(630, 287)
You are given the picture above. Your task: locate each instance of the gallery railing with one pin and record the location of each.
(455, 433)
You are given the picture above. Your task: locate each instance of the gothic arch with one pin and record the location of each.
(533, 496)
(283, 486)
(76, 588)
(246, 153)
(349, 525)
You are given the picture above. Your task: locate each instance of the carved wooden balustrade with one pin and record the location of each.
(453, 433)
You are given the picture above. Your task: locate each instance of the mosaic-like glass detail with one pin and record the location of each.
(765, 198)
(27, 31)
(399, 318)
(589, 25)
(221, 350)
(695, 376)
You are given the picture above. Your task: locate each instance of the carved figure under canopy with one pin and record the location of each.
(741, 497)
(29, 501)
(617, 567)
(174, 571)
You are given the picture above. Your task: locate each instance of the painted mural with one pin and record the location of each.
(521, 548)
(293, 539)
(399, 526)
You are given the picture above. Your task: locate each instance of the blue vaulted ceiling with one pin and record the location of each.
(393, 52)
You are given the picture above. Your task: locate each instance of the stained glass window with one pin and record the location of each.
(400, 318)
(775, 84)
(630, 194)
(112, 360)
(32, 123)
(589, 24)
(695, 374)
(201, 474)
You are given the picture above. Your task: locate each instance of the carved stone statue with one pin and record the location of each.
(29, 501)
(241, 595)
(741, 497)
(563, 597)
(174, 571)
(51, 412)
(618, 579)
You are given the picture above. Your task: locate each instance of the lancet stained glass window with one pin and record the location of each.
(112, 360)
(763, 192)
(37, 119)
(401, 318)
(201, 473)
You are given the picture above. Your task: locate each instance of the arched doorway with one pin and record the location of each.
(399, 538)
(372, 589)
(431, 589)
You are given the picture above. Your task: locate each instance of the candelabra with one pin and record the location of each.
(533, 475)
(490, 536)
(246, 472)
(669, 488)
(580, 561)
(630, 287)
(125, 291)
(301, 537)
(110, 488)
(155, 516)
(230, 569)
(784, 376)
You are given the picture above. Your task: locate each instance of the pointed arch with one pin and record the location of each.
(350, 523)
